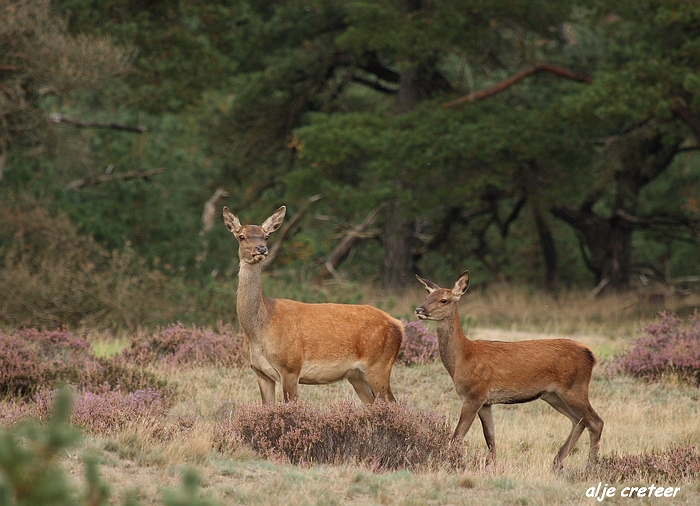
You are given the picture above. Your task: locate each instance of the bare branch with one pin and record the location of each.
(685, 114)
(78, 184)
(503, 85)
(60, 118)
(375, 85)
(661, 222)
(284, 233)
(346, 244)
(287, 231)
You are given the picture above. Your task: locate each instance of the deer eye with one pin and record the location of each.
(443, 301)
(241, 237)
(267, 236)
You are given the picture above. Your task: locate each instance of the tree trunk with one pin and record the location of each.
(549, 251)
(397, 265)
(606, 243)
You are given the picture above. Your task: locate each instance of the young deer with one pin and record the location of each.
(293, 342)
(557, 371)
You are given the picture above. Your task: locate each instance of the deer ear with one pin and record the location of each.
(461, 285)
(231, 221)
(429, 285)
(274, 221)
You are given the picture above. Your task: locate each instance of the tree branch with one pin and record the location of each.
(374, 85)
(287, 231)
(78, 184)
(346, 244)
(372, 65)
(60, 118)
(684, 113)
(503, 85)
(661, 221)
(284, 233)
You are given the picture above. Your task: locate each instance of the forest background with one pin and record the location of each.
(548, 144)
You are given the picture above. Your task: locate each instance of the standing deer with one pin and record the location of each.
(294, 342)
(557, 371)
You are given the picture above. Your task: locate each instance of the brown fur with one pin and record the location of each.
(557, 371)
(294, 342)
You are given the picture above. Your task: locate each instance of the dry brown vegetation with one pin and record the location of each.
(146, 455)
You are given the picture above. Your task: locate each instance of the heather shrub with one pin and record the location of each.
(678, 464)
(382, 435)
(118, 374)
(110, 412)
(420, 345)
(668, 347)
(31, 359)
(101, 413)
(179, 345)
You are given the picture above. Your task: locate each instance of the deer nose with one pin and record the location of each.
(420, 310)
(261, 249)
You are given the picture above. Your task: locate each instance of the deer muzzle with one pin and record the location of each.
(422, 313)
(258, 254)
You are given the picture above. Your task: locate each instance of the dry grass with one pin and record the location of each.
(569, 313)
(640, 417)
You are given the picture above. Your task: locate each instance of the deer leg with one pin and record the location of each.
(590, 419)
(466, 417)
(267, 388)
(582, 416)
(290, 382)
(595, 429)
(486, 417)
(378, 380)
(558, 403)
(362, 388)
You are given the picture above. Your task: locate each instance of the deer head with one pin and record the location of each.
(252, 239)
(440, 302)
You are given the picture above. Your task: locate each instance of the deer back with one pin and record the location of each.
(332, 331)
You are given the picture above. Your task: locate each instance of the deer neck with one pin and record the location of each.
(452, 342)
(251, 303)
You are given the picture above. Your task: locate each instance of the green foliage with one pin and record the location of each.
(189, 493)
(52, 276)
(40, 58)
(651, 61)
(279, 101)
(29, 469)
(31, 472)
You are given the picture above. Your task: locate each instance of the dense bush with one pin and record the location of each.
(50, 276)
(382, 435)
(100, 413)
(678, 464)
(180, 345)
(669, 347)
(31, 359)
(420, 345)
